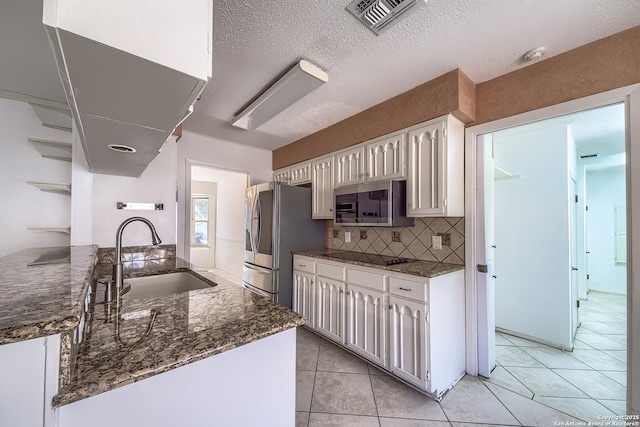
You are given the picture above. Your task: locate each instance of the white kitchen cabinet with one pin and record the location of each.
(350, 167)
(281, 175)
(29, 378)
(366, 323)
(304, 289)
(435, 180)
(300, 173)
(408, 325)
(387, 158)
(322, 188)
(330, 314)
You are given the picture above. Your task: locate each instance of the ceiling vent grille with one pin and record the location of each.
(377, 15)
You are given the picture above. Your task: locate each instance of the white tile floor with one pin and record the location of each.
(532, 385)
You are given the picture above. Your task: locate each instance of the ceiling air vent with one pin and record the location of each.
(377, 15)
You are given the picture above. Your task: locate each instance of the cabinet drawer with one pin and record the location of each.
(330, 271)
(367, 279)
(304, 264)
(409, 289)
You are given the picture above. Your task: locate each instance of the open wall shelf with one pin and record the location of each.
(52, 187)
(64, 230)
(52, 149)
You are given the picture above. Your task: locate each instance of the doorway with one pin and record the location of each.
(479, 283)
(216, 212)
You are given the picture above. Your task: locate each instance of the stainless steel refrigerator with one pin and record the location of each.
(277, 221)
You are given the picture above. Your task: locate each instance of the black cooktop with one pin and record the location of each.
(368, 258)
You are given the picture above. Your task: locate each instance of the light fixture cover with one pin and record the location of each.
(298, 82)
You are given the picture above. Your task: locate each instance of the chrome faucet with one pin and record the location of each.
(117, 266)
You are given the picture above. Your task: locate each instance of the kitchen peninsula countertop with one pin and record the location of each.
(188, 327)
(422, 268)
(43, 291)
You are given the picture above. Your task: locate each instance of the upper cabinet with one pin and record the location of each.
(435, 181)
(300, 173)
(322, 188)
(350, 167)
(387, 158)
(281, 175)
(131, 72)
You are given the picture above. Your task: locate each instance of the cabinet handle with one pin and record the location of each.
(311, 282)
(405, 289)
(341, 291)
(302, 265)
(390, 307)
(330, 210)
(347, 293)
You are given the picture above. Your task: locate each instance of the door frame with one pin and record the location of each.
(471, 134)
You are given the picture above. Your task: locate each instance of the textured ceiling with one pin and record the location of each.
(256, 41)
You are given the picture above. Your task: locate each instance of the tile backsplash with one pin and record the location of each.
(407, 242)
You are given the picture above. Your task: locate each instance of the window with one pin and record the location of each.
(200, 217)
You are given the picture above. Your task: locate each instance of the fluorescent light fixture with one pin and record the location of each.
(298, 82)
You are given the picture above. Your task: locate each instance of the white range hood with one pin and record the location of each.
(131, 72)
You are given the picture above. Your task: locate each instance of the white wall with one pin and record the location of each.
(229, 242)
(604, 189)
(157, 184)
(23, 205)
(532, 262)
(202, 150)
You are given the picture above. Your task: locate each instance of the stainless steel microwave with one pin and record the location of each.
(381, 204)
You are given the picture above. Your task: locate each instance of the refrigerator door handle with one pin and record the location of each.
(258, 222)
(254, 228)
(258, 269)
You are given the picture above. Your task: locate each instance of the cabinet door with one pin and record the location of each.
(322, 188)
(366, 322)
(281, 175)
(386, 158)
(426, 178)
(22, 375)
(304, 296)
(330, 318)
(350, 167)
(408, 344)
(300, 174)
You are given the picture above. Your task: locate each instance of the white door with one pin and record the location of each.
(633, 246)
(485, 272)
(387, 158)
(330, 308)
(573, 242)
(366, 323)
(322, 188)
(425, 179)
(408, 340)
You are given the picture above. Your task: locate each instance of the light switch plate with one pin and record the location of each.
(436, 242)
(347, 236)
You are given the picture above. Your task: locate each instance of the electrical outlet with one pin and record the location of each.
(395, 236)
(436, 242)
(363, 234)
(347, 237)
(446, 239)
(336, 234)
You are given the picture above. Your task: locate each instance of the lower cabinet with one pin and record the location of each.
(408, 325)
(304, 296)
(411, 326)
(330, 314)
(366, 323)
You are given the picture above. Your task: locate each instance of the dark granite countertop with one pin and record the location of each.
(188, 327)
(43, 290)
(428, 269)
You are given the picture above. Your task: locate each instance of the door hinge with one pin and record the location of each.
(587, 277)
(426, 317)
(578, 303)
(428, 376)
(482, 268)
(444, 133)
(576, 198)
(586, 208)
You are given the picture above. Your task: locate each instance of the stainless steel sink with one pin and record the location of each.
(161, 285)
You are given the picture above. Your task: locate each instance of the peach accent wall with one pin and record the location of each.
(596, 67)
(449, 93)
